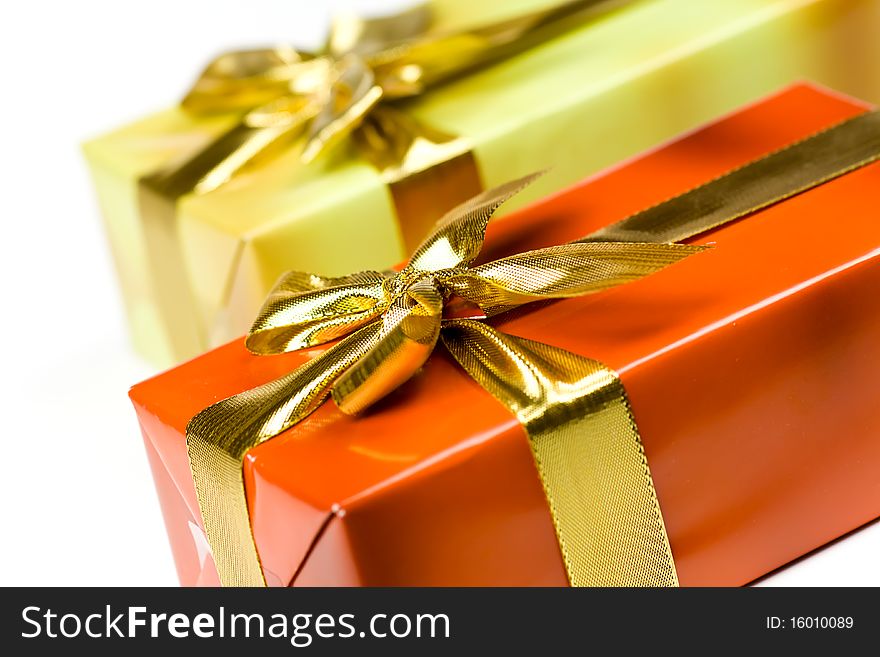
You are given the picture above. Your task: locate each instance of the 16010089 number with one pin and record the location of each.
(810, 623)
(821, 622)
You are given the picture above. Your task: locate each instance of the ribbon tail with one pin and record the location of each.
(218, 438)
(587, 450)
(240, 80)
(295, 317)
(234, 151)
(458, 235)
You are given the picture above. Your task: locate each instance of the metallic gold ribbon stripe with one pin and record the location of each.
(168, 276)
(158, 195)
(587, 451)
(427, 171)
(219, 437)
(791, 170)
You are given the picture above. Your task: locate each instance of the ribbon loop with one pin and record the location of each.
(458, 236)
(304, 311)
(241, 80)
(557, 272)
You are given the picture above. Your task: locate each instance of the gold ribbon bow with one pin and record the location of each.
(584, 439)
(365, 63)
(353, 87)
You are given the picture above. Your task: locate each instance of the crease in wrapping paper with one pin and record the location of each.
(425, 170)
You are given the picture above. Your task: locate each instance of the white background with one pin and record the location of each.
(78, 503)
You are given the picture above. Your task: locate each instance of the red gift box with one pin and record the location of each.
(751, 370)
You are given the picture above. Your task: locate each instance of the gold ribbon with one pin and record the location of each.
(351, 88)
(575, 412)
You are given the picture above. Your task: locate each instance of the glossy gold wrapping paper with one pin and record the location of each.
(591, 97)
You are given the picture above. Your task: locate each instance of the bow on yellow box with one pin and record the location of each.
(365, 65)
(388, 323)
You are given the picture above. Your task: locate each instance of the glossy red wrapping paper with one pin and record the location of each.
(752, 370)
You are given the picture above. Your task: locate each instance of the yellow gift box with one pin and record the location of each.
(606, 87)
